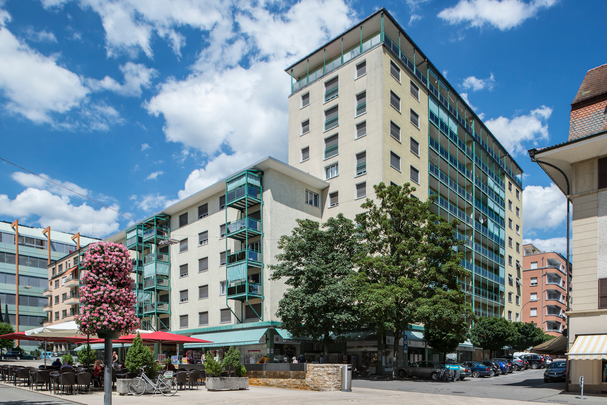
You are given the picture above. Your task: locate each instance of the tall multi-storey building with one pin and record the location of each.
(545, 289)
(369, 107)
(579, 168)
(35, 254)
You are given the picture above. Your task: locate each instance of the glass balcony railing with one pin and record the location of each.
(241, 289)
(450, 158)
(156, 282)
(248, 185)
(489, 254)
(488, 274)
(155, 232)
(249, 224)
(490, 213)
(155, 257)
(443, 203)
(133, 236)
(156, 307)
(243, 255)
(393, 46)
(449, 182)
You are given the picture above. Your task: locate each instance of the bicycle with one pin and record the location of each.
(165, 384)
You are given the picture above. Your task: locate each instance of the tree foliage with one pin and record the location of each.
(231, 360)
(211, 366)
(409, 267)
(317, 262)
(527, 335)
(4, 329)
(492, 333)
(87, 355)
(139, 356)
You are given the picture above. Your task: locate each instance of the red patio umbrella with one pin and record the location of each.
(161, 337)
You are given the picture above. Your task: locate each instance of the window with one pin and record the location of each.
(183, 270)
(510, 279)
(203, 292)
(518, 300)
(518, 247)
(305, 127)
(509, 297)
(331, 89)
(361, 69)
(414, 118)
(518, 317)
(361, 103)
(331, 171)
(518, 212)
(533, 312)
(331, 118)
(414, 90)
(394, 101)
(509, 315)
(203, 318)
(203, 211)
(183, 219)
(395, 71)
(222, 258)
(312, 198)
(510, 260)
(533, 297)
(518, 230)
(305, 153)
(510, 186)
(334, 199)
(361, 163)
(518, 194)
(57, 315)
(305, 100)
(414, 146)
(361, 129)
(183, 296)
(183, 245)
(203, 264)
(203, 238)
(222, 288)
(361, 190)
(222, 231)
(63, 297)
(602, 293)
(510, 223)
(603, 173)
(509, 242)
(56, 299)
(395, 161)
(533, 265)
(56, 283)
(395, 131)
(64, 313)
(414, 174)
(183, 321)
(226, 316)
(510, 205)
(331, 147)
(222, 202)
(533, 281)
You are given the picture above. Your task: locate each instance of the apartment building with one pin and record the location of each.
(579, 168)
(35, 253)
(200, 265)
(546, 287)
(369, 107)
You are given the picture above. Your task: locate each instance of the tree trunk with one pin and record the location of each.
(397, 336)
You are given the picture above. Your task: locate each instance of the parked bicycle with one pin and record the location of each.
(165, 384)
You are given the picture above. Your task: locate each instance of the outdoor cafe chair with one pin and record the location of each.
(194, 377)
(83, 381)
(181, 378)
(4, 372)
(54, 377)
(22, 376)
(40, 377)
(67, 380)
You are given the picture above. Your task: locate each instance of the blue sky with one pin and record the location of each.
(137, 103)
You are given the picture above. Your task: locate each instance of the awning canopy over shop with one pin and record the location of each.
(557, 345)
(101, 346)
(589, 347)
(414, 335)
(229, 338)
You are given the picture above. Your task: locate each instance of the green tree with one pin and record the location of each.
(492, 333)
(527, 335)
(87, 355)
(231, 360)
(140, 356)
(409, 261)
(212, 366)
(318, 264)
(67, 359)
(6, 343)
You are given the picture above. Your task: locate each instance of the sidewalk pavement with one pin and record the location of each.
(265, 395)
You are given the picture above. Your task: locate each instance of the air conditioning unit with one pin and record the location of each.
(203, 242)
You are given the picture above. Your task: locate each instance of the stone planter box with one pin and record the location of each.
(227, 383)
(122, 387)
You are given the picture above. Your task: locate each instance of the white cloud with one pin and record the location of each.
(513, 133)
(504, 14)
(47, 209)
(544, 208)
(39, 36)
(154, 176)
(151, 201)
(35, 85)
(145, 146)
(414, 7)
(136, 77)
(475, 84)
(558, 244)
(30, 180)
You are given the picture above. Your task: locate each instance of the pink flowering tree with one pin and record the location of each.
(107, 301)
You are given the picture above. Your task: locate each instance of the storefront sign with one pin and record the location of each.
(416, 343)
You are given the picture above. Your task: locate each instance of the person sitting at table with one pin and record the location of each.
(98, 371)
(67, 366)
(57, 363)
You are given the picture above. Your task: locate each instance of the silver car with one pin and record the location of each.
(421, 369)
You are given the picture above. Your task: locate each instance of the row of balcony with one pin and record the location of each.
(486, 232)
(446, 205)
(494, 177)
(450, 133)
(490, 193)
(490, 213)
(238, 229)
(488, 254)
(450, 183)
(450, 158)
(393, 46)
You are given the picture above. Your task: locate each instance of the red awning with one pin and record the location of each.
(161, 337)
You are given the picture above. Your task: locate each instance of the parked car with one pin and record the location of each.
(422, 369)
(517, 362)
(508, 363)
(535, 360)
(18, 356)
(556, 371)
(479, 370)
(464, 371)
(548, 359)
(502, 365)
(494, 366)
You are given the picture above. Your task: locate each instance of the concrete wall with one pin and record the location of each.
(317, 377)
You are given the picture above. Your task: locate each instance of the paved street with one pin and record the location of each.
(16, 396)
(525, 385)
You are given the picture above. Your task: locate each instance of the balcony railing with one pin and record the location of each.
(248, 184)
(242, 255)
(158, 282)
(156, 307)
(254, 289)
(250, 224)
(158, 257)
(155, 232)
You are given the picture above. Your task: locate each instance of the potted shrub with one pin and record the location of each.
(87, 356)
(230, 363)
(67, 359)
